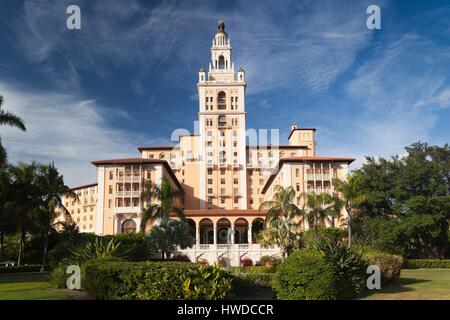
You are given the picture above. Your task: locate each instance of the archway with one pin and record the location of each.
(129, 226)
(191, 227)
(206, 231)
(223, 225)
(241, 231)
(221, 62)
(257, 227)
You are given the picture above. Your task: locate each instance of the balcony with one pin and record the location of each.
(129, 179)
(128, 193)
(118, 210)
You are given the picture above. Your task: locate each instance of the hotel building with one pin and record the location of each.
(223, 178)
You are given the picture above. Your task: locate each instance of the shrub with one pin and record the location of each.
(348, 266)
(25, 268)
(426, 263)
(252, 270)
(59, 277)
(270, 261)
(305, 275)
(390, 265)
(246, 262)
(155, 280)
(134, 246)
(181, 258)
(101, 248)
(202, 261)
(246, 284)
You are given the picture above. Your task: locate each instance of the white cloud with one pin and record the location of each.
(67, 129)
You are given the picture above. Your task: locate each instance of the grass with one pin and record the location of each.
(417, 284)
(31, 286)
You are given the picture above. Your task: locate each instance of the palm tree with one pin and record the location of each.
(159, 201)
(52, 187)
(6, 205)
(9, 119)
(335, 210)
(280, 224)
(317, 208)
(24, 177)
(351, 194)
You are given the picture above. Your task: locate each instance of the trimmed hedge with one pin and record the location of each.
(390, 265)
(15, 269)
(426, 263)
(305, 275)
(155, 281)
(247, 284)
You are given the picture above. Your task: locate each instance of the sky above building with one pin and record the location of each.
(128, 77)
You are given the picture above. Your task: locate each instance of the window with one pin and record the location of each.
(110, 189)
(91, 217)
(297, 172)
(209, 143)
(151, 156)
(210, 181)
(297, 187)
(222, 191)
(109, 203)
(210, 190)
(129, 226)
(222, 171)
(210, 201)
(210, 172)
(161, 155)
(111, 175)
(222, 181)
(236, 200)
(222, 200)
(235, 180)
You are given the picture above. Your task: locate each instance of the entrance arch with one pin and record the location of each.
(206, 231)
(241, 231)
(222, 231)
(257, 227)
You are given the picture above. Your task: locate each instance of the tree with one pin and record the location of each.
(159, 202)
(25, 188)
(9, 119)
(6, 206)
(52, 187)
(280, 223)
(352, 196)
(168, 235)
(317, 208)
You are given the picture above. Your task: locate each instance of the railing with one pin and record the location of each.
(129, 179)
(127, 193)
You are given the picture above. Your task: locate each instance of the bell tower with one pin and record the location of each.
(221, 91)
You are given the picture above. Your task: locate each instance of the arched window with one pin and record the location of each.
(221, 100)
(221, 62)
(129, 226)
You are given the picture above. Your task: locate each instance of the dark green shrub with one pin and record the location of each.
(390, 265)
(15, 269)
(348, 266)
(305, 275)
(427, 263)
(155, 280)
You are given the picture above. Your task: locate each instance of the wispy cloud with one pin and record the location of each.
(67, 129)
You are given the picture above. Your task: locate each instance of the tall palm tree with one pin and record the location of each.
(9, 119)
(52, 187)
(6, 205)
(24, 177)
(159, 201)
(280, 223)
(351, 194)
(317, 208)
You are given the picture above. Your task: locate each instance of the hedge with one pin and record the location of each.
(155, 281)
(426, 263)
(15, 269)
(390, 265)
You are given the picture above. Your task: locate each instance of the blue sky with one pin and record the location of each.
(128, 77)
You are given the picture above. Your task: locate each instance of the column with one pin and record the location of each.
(215, 232)
(197, 233)
(232, 233)
(249, 236)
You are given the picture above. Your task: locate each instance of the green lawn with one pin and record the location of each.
(417, 284)
(31, 286)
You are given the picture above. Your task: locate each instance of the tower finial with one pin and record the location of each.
(221, 25)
